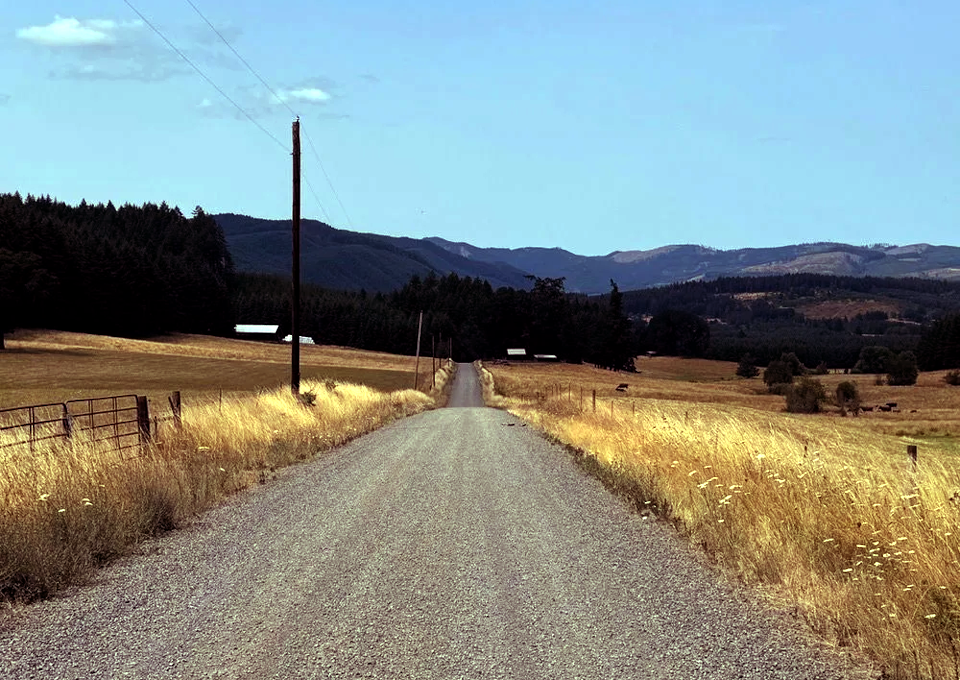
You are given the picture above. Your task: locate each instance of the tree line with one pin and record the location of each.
(131, 271)
(479, 321)
(763, 316)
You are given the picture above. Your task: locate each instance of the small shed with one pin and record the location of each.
(516, 353)
(546, 357)
(257, 331)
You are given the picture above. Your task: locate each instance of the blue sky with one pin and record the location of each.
(591, 126)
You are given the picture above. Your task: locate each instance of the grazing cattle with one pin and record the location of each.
(622, 387)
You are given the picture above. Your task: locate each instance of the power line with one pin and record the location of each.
(244, 61)
(205, 77)
(317, 199)
(329, 183)
(239, 108)
(286, 105)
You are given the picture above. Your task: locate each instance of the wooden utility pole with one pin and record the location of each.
(416, 377)
(295, 272)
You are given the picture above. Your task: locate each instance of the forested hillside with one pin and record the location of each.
(133, 270)
(823, 319)
(348, 260)
(144, 270)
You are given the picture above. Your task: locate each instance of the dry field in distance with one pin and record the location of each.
(929, 411)
(54, 366)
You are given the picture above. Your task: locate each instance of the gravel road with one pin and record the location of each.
(453, 544)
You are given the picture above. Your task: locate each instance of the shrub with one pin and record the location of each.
(777, 373)
(806, 396)
(902, 369)
(747, 368)
(952, 378)
(848, 396)
(793, 361)
(821, 369)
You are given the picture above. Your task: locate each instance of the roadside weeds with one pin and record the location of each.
(70, 507)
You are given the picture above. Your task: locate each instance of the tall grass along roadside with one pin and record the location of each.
(834, 520)
(69, 507)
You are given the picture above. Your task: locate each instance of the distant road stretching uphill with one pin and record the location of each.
(453, 544)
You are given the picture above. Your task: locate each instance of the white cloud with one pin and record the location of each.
(313, 97)
(105, 49)
(72, 32)
(310, 95)
(205, 104)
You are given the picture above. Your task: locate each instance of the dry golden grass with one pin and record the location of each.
(930, 408)
(69, 506)
(181, 344)
(54, 366)
(822, 512)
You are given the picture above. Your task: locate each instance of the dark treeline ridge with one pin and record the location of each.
(762, 316)
(131, 271)
(480, 321)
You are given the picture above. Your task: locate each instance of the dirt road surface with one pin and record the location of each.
(454, 544)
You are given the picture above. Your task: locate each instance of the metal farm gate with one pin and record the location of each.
(120, 422)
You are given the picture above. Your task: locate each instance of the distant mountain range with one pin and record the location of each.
(337, 258)
(348, 260)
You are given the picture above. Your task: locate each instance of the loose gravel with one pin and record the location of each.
(453, 544)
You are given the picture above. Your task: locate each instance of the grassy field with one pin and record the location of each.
(825, 514)
(54, 366)
(929, 410)
(69, 506)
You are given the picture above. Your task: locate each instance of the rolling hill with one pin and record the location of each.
(633, 269)
(347, 260)
(341, 259)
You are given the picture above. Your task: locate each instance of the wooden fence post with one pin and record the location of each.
(594, 401)
(912, 452)
(176, 406)
(143, 420)
(67, 424)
